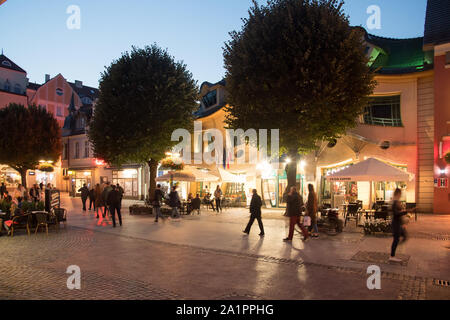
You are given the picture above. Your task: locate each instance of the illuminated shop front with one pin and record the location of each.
(78, 178)
(128, 179)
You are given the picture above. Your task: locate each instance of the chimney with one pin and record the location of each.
(47, 78)
(78, 84)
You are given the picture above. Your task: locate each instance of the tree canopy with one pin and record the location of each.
(144, 96)
(297, 66)
(30, 134)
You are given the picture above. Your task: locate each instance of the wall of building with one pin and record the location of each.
(442, 116)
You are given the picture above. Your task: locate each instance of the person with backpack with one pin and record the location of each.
(84, 195)
(121, 191)
(174, 202)
(158, 197)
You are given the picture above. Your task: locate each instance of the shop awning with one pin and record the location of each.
(370, 170)
(226, 176)
(188, 175)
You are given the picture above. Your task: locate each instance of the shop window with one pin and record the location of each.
(210, 99)
(383, 111)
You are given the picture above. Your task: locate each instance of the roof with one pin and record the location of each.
(201, 113)
(399, 56)
(6, 63)
(85, 91)
(437, 23)
(33, 86)
(210, 85)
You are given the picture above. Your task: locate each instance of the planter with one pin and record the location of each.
(139, 211)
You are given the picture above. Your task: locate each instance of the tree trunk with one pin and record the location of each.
(291, 171)
(23, 174)
(153, 165)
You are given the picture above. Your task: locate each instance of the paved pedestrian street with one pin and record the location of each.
(208, 257)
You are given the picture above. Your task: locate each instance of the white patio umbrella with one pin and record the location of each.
(371, 170)
(183, 176)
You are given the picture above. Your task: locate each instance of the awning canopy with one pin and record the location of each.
(226, 176)
(188, 175)
(370, 170)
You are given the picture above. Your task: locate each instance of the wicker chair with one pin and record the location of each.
(21, 222)
(42, 221)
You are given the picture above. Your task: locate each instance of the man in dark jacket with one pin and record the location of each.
(84, 195)
(113, 202)
(293, 211)
(255, 213)
(158, 197)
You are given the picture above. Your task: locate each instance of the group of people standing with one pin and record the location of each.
(294, 211)
(103, 199)
(21, 193)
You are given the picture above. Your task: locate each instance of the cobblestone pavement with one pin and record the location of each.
(206, 258)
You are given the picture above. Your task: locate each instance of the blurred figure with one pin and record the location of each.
(2, 191)
(218, 197)
(174, 202)
(398, 228)
(157, 202)
(91, 199)
(294, 206)
(98, 200)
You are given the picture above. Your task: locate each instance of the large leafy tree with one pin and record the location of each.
(29, 134)
(144, 96)
(297, 66)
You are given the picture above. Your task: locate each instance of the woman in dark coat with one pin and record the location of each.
(294, 207)
(98, 199)
(311, 210)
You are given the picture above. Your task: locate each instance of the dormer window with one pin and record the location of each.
(7, 63)
(59, 91)
(210, 99)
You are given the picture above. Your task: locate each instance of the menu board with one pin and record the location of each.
(52, 200)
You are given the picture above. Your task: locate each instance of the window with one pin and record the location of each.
(210, 99)
(86, 100)
(59, 112)
(59, 91)
(65, 151)
(77, 150)
(86, 149)
(6, 63)
(17, 88)
(383, 111)
(7, 86)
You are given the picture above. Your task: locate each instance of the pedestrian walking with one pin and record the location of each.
(105, 194)
(398, 225)
(41, 186)
(294, 207)
(311, 210)
(98, 200)
(218, 197)
(84, 195)
(2, 191)
(174, 202)
(157, 201)
(92, 199)
(255, 213)
(121, 191)
(113, 202)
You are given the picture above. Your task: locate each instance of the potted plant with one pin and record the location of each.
(447, 157)
(169, 164)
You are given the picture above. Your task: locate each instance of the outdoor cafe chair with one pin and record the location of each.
(352, 213)
(20, 222)
(42, 221)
